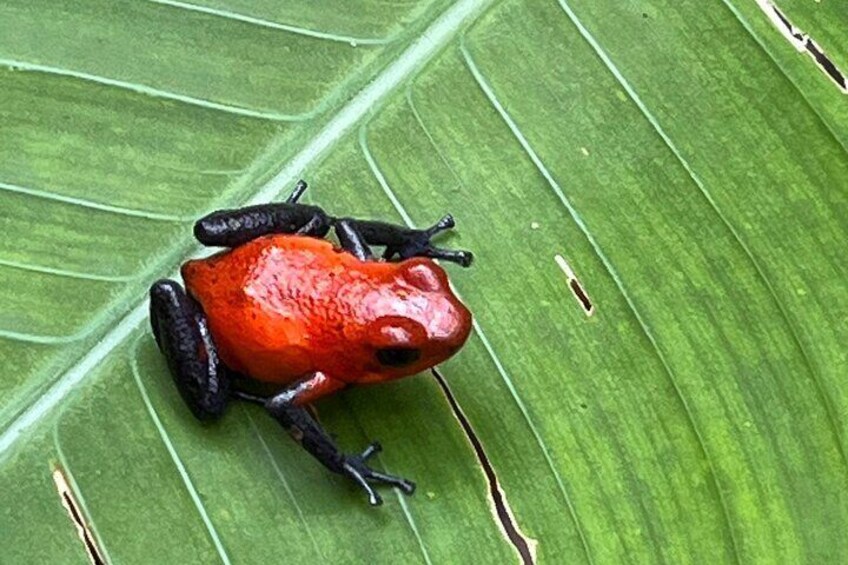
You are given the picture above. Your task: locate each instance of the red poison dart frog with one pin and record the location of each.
(285, 306)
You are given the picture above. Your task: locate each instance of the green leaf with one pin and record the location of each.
(682, 160)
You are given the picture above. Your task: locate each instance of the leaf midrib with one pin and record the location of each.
(429, 43)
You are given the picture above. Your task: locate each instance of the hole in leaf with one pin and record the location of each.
(804, 43)
(575, 286)
(524, 546)
(826, 65)
(76, 516)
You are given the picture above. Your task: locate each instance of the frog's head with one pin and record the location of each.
(416, 322)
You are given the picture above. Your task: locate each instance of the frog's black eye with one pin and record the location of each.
(398, 356)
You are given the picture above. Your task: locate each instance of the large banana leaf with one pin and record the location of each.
(682, 159)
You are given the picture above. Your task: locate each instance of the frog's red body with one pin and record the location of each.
(284, 306)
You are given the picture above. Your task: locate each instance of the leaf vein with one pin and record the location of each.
(175, 457)
(410, 99)
(244, 18)
(761, 44)
(155, 92)
(410, 520)
(280, 475)
(363, 142)
(120, 210)
(578, 220)
(69, 475)
(439, 33)
(699, 183)
(64, 272)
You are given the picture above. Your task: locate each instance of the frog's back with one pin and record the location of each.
(270, 301)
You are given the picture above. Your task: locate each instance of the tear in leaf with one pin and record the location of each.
(575, 286)
(525, 546)
(804, 43)
(76, 515)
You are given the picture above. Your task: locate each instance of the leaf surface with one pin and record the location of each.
(683, 160)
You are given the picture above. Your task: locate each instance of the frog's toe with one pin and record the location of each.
(419, 244)
(354, 467)
(405, 485)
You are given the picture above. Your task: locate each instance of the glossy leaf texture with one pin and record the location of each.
(682, 158)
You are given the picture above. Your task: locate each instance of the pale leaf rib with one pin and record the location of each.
(244, 18)
(46, 339)
(178, 463)
(816, 377)
(155, 92)
(26, 337)
(431, 41)
(578, 220)
(507, 379)
(83, 203)
(411, 521)
(65, 272)
(92, 324)
(410, 100)
(282, 477)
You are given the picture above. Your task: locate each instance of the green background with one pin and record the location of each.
(688, 163)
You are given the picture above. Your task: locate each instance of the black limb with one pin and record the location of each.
(406, 242)
(351, 240)
(230, 228)
(247, 397)
(298, 191)
(306, 431)
(182, 335)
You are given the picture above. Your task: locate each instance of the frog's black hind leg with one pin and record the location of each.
(406, 242)
(230, 228)
(179, 326)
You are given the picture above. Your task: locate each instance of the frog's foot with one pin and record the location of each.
(179, 326)
(287, 408)
(400, 241)
(354, 467)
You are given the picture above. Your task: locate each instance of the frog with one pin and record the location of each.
(282, 305)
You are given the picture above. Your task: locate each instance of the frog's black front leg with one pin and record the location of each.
(351, 240)
(406, 242)
(286, 408)
(230, 228)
